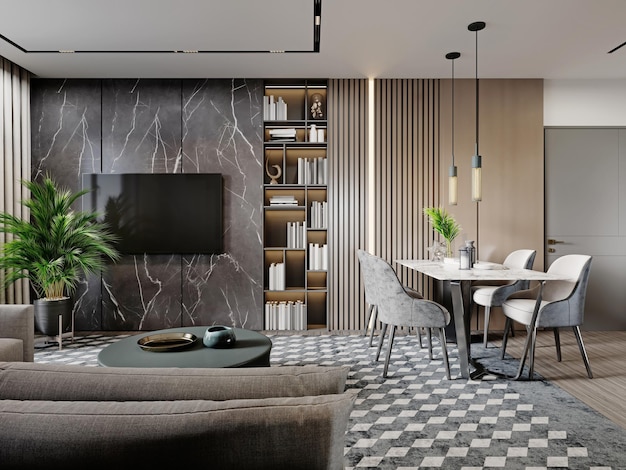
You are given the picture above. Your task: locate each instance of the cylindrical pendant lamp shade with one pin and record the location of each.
(453, 193)
(477, 191)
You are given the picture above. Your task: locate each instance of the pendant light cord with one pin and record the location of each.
(477, 92)
(453, 112)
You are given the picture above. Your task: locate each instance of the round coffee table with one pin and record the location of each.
(251, 349)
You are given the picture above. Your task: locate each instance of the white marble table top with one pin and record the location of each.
(451, 272)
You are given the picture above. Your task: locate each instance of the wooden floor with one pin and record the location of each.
(606, 392)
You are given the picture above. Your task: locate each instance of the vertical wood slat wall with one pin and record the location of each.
(347, 193)
(15, 163)
(407, 160)
(406, 179)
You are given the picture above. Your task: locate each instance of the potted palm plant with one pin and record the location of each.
(445, 225)
(53, 250)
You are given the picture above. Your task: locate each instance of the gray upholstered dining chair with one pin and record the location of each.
(493, 294)
(398, 309)
(369, 287)
(552, 304)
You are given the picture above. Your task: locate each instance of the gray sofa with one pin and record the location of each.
(63, 416)
(17, 332)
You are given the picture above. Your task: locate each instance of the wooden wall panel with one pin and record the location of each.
(347, 157)
(408, 166)
(511, 214)
(15, 162)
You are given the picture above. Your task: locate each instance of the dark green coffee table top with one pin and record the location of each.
(252, 349)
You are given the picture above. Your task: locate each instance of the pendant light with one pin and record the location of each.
(452, 175)
(477, 191)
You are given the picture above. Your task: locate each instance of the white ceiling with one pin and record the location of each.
(556, 39)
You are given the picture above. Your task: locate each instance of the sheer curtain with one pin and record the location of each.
(15, 162)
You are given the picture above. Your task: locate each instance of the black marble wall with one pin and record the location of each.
(163, 126)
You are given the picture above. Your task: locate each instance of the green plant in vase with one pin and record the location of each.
(53, 249)
(444, 224)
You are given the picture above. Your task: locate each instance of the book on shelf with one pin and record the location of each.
(285, 315)
(319, 214)
(286, 134)
(283, 201)
(296, 235)
(281, 109)
(277, 276)
(269, 108)
(312, 170)
(274, 109)
(318, 257)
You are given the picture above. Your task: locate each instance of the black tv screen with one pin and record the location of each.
(170, 213)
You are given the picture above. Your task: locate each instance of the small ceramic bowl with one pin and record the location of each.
(219, 337)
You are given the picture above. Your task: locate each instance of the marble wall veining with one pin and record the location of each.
(163, 126)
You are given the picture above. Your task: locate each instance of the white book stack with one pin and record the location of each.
(277, 276)
(285, 315)
(319, 214)
(296, 235)
(318, 257)
(269, 108)
(312, 171)
(281, 109)
(287, 200)
(283, 134)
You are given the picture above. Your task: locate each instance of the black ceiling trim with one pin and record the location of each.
(317, 13)
(616, 48)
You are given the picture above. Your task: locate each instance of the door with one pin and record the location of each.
(586, 214)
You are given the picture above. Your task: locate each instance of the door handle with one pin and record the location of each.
(552, 241)
(551, 250)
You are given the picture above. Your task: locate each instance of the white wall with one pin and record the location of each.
(584, 103)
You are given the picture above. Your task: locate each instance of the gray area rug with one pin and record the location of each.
(416, 418)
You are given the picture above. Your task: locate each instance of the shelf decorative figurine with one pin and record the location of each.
(317, 111)
(273, 177)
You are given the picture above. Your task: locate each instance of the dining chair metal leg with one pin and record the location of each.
(583, 351)
(505, 337)
(429, 337)
(371, 321)
(486, 327)
(444, 351)
(419, 335)
(531, 353)
(557, 341)
(381, 339)
(392, 333)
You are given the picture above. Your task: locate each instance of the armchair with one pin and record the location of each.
(17, 333)
(397, 308)
(552, 304)
(493, 295)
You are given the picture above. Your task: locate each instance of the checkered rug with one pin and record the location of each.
(417, 419)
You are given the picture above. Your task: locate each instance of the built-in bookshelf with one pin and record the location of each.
(295, 209)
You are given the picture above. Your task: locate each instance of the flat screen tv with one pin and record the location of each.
(152, 213)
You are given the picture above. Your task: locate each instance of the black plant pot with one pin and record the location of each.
(47, 315)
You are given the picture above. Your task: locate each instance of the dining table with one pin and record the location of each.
(461, 281)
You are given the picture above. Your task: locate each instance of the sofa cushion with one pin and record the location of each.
(11, 349)
(271, 433)
(35, 381)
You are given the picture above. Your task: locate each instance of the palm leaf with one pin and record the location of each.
(57, 245)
